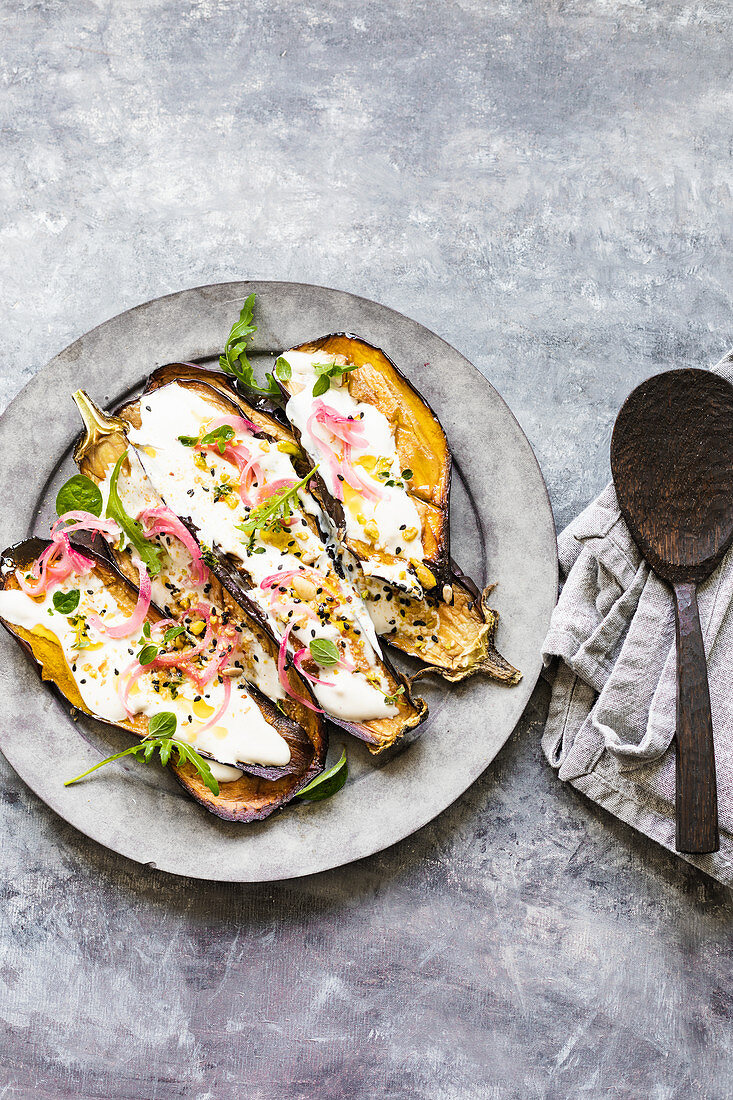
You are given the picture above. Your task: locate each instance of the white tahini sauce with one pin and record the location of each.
(390, 524)
(190, 486)
(102, 670)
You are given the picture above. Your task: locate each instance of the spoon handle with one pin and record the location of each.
(697, 802)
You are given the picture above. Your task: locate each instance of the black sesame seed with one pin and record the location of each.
(403, 527)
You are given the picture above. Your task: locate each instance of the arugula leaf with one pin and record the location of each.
(219, 436)
(277, 507)
(66, 602)
(324, 652)
(149, 554)
(234, 360)
(327, 783)
(166, 745)
(326, 372)
(79, 494)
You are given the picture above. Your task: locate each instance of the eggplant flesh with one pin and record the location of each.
(232, 571)
(421, 448)
(452, 634)
(248, 798)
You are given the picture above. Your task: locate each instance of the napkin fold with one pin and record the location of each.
(611, 644)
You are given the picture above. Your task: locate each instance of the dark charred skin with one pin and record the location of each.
(421, 445)
(378, 734)
(250, 798)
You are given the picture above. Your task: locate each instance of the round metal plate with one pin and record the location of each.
(501, 530)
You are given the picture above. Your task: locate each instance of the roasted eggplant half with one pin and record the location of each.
(452, 633)
(226, 471)
(384, 466)
(67, 632)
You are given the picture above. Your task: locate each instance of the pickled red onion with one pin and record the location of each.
(163, 522)
(136, 620)
(349, 432)
(48, 572)
(298, 662)
(86, 521)
(239, 423)
(281, 658)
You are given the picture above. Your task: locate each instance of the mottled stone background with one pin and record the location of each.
(545, 184)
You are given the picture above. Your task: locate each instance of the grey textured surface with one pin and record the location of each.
(546, 185)
(144, 816)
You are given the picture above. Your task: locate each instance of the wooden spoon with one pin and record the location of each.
(672, 463)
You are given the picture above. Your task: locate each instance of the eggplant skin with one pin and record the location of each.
(249, 798)
(421, 442)
(453, 638)
(379, 734)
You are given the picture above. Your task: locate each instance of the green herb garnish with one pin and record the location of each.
(234, 360)
(149, 554)
(81, 635)
(391, 700)
(79, 494)
(324, 652)
(219, 436)
(147, 654)
(328, 371)
(161, 728)
(283, 370)
(222, 491)
(66, 602)
(275, 509)
(188, 440)
(327, 783)
(172, 633)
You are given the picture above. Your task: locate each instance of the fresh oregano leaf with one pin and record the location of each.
(324, 652)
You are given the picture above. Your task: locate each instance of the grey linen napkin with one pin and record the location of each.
(611, 641)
